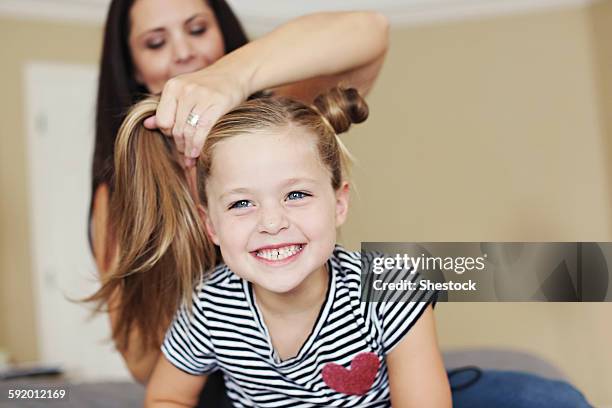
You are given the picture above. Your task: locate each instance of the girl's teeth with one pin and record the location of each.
(279, 253)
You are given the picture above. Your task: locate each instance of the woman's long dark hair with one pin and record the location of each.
(117, 92)
(117, 87)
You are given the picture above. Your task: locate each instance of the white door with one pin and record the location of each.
(60, 106)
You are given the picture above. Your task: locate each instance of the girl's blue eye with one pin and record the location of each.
(240, 204)
(297, 195)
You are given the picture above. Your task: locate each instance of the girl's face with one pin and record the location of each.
(271, 207)
(172, 37)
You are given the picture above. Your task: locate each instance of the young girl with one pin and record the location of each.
(282, 316)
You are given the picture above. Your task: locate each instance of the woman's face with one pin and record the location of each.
(172, 37)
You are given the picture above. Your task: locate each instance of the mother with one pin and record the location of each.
(196, 54)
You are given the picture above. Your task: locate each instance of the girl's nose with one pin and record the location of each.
(272, 221)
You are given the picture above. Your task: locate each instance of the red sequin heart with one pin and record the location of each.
(357, 380)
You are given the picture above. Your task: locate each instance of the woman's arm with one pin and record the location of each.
(416, 373)
(312, 53)
(139, 361)
(317, 51)
(171, 387)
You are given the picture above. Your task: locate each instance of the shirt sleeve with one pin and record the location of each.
(187, 344)
(398, 310)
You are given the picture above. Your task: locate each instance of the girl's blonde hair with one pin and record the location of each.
(162, 247)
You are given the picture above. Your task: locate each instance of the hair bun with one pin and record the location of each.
(342, 107)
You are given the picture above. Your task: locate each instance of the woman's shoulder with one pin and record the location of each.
(100, 203)
(99, 217)
(99, 226)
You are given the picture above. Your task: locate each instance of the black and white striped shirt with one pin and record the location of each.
(226, 331)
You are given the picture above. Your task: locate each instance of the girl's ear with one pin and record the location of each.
(342, 203)
(210, 229)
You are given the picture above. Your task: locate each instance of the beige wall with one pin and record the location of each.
(23, 42)
(495, 129)
(601, 16)
(489, 130)
(492, 130)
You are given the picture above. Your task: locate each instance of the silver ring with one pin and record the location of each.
(193, 119)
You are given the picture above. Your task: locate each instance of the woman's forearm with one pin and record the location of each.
(315, 45)
(301, 59)
(141, 365)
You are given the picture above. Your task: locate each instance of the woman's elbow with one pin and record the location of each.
(381, 24)
(140, 368)
(139, 374)
(376, 24)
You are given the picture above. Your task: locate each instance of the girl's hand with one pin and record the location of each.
(192, 103)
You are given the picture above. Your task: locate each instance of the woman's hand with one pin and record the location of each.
(305, 56)
(192, 103)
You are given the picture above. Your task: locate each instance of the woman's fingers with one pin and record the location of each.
(183, 122)
(188, 162)
(196, 121)
(189, 107)
(196, 143)
(151, 123)
(166, 110)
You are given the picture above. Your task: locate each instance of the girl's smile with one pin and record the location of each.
(277, 255)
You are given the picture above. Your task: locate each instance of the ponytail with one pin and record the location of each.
(162, 248)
